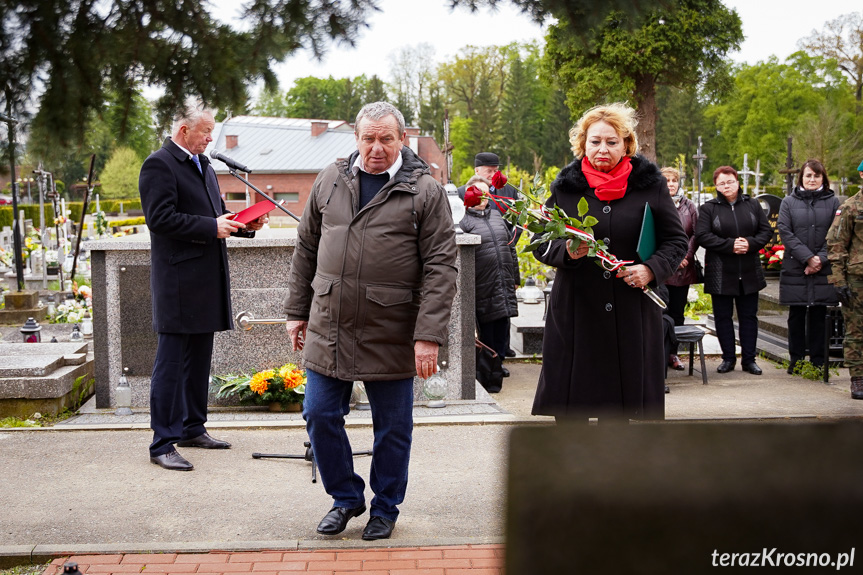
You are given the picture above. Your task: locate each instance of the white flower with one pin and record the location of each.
(692, 295)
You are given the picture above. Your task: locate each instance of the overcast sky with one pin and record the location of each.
(771, 27)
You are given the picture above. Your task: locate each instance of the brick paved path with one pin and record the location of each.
(449, 560)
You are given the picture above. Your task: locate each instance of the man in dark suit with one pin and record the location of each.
(189, 282)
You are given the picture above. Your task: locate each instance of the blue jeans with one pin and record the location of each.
(324, 409)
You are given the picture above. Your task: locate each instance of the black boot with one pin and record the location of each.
(856, 387)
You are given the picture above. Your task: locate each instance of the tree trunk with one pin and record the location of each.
(645, 92)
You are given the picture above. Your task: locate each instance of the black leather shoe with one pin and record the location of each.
(337, 519)
(205, 441)
(667, 389)
(752, 368)
(173, 461)
(510, 353)
(505, 372)
(726, 366)
(378, 528)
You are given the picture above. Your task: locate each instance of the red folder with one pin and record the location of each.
(255, 211)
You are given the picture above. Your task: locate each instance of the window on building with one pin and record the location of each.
(289, 197)
(235, 197)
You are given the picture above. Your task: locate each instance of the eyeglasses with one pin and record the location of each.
(726, 183)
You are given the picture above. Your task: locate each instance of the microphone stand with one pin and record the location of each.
(87, 192)
(234, 173)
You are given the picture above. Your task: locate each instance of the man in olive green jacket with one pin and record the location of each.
(370, 292)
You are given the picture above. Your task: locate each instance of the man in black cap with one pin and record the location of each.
(486, 164)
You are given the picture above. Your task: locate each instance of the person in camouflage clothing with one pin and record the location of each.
(845, 252)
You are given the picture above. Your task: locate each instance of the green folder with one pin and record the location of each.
(647, 237)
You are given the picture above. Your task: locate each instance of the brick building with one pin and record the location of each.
(286, 155)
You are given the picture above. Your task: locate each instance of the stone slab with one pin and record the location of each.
(56, 384)
(19, 316)
(681, 498)
(60, 348)
(29, 365)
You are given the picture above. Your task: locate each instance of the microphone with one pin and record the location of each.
(233, 164)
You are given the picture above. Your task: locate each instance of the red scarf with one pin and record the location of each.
(609, 186)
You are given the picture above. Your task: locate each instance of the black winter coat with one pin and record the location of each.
(602, 348)
(189, 265)
(496, 265)
(804, 218)
(719, 224)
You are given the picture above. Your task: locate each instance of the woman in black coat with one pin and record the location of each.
(804, 218)
(732, 229)
(602, 349)
(496, 269)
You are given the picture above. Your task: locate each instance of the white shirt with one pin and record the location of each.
(190, 154)
(392, 170)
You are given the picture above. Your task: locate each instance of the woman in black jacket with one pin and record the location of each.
(732, 228)
(804, 218)
(496, 269)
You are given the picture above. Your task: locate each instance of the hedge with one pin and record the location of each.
(31, 211)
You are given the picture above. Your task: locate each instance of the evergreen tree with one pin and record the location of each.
(432, 112)
(520, 118)
(679, 123)
(69, 53)
(554, 129)
(376, 91)
(684, 43)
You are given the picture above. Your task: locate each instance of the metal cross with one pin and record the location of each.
(699, 158)
(789, 170)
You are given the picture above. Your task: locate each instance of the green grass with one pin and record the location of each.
(34, 569)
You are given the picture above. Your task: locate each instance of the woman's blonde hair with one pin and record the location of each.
(617, 115)
(670, 172)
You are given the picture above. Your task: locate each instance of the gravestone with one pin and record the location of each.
(43, 377)
(683, 498)
(770, 204)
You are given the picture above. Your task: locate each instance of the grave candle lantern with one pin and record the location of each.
(31, 331)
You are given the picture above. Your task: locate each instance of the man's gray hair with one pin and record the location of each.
(190, 114)
(379, 111)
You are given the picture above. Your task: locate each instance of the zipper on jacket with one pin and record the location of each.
(332, 191)
(739, 261)
(487, 221)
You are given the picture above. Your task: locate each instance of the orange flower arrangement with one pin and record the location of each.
(286, 384)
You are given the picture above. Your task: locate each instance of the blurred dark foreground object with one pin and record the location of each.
(675, 497)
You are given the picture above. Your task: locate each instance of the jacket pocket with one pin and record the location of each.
(319, 314)
(388, 296)
(186, 254)
(390, 315)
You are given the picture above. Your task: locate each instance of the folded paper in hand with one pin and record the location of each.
(255, 211)
(647, 238)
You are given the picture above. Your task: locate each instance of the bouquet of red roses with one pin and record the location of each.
(553, 223)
